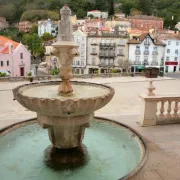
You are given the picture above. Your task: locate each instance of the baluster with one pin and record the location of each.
(168, 115)
(175, 114)
(161, 115)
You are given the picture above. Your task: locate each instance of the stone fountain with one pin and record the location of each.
(67, 110)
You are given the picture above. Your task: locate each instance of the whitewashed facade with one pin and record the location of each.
(144, 51)
(79, 63)
(47, 26)
(172, 53)
(98, 14)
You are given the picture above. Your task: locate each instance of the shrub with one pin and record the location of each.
(29, 74)
(2, 74)
(54, 72)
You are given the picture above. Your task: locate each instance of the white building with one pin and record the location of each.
(47, 26)
(106, 52)
(79, 63)
(144, 51)
(172, 52)
(98, 14)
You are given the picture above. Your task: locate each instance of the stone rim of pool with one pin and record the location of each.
(143, 146)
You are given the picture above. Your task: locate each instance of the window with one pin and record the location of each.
(7, 63)
(78, 38)
(77, 63)
(145, 58)
(155, 48)
(169, 42)
(168, 51)
(111, 61)
(167, 58)
(176, 58)
(137, 58)
(146, 48)
(154, 58)
(121, 42)
(93, 61)
(93, 50)
(1, 63)
(82, 63)
(21, 55)
(120, 51)
(176, 51)
(137, 47)
(177, 43)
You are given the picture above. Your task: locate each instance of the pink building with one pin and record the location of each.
(146, 22)
(93, 24)
(14, 57)
(25, 26)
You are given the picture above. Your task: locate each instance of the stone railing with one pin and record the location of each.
(50, 77)
(159, 109)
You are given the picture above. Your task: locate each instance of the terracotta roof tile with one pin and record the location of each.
(3, 41)
(94, 11)
(145, 17)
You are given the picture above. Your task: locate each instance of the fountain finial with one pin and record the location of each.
(65, 29)
(65, 49)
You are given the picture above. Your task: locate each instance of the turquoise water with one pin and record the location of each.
(114, 151)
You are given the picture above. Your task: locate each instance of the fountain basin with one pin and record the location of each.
(115, 152)
(44, 99)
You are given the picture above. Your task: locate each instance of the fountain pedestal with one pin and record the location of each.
(65, 132)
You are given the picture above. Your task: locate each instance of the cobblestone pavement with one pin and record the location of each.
(163, 141)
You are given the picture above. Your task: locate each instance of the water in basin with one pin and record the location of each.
(79, 91)
(114, 151)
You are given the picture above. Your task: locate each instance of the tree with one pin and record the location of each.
(46, 36)
(34, 29)
(111, 8)
(126, 7)
(34, 43)
(145, 6)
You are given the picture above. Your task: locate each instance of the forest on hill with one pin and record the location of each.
(33, 10)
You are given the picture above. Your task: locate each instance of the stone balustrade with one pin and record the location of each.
(159, 109)
(50, 77)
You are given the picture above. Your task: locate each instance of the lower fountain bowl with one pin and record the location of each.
(111, 151)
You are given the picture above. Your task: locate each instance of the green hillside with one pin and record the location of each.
(33, 10)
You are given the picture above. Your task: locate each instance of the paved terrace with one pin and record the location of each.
(163, 141)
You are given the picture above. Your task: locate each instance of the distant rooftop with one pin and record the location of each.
(145, 17)
(94, 11)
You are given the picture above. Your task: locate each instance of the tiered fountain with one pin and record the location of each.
(66, 110)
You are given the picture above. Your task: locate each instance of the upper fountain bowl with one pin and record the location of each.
(44, 99)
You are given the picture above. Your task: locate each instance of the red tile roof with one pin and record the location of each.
(3, 41)
(145, 17)
(94, 11)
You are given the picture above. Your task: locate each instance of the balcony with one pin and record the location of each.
(155, 53)
(94, 44)
(120, 54)
(94, 53)
(137, 52)
(112, 44)
(147, 43)
(106, 65)
(107, 54)
(146, 52)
